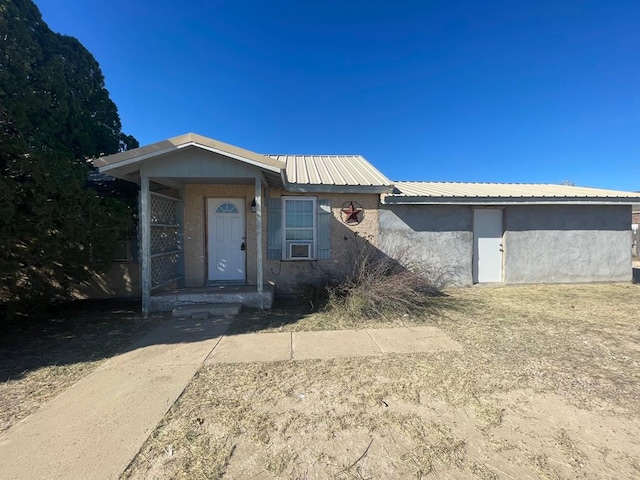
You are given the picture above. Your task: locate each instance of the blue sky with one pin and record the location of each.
(483, 91)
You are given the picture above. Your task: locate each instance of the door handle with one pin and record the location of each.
(243, 247)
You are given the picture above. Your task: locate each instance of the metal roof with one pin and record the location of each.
(304, 173)
(322, 172)
(452, 192)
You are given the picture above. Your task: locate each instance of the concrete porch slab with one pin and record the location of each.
(246, 295)
(206, 309)
(252, 347)
(333, 344)
(412, 340)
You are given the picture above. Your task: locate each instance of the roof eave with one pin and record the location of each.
(427, 200)
(133, 177)
(123, 163)
(269, 164)
(318, 188)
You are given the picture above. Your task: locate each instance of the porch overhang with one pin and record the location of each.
(131, 165)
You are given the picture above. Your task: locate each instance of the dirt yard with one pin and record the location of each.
(547, 386)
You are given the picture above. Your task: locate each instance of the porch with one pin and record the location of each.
(200, 220)
(202, 244)
(247, 295)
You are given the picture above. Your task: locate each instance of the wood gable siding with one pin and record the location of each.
(197, 163)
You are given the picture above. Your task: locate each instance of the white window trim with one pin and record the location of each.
(314, 243)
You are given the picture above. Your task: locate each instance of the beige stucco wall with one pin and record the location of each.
(287, 276)
(122, 280)
(295, 275)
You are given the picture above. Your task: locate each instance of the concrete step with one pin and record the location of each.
(204, 310)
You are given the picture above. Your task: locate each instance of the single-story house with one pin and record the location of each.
(216, 216)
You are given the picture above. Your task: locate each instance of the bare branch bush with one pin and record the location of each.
(379, 284)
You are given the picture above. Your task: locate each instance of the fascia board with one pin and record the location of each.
(142, 158)
(398, 200)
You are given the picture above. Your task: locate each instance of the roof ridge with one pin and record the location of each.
(492, 183)
(312, 154)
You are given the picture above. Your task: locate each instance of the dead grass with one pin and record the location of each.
(301, 316)
(39, 361)
(547, 386)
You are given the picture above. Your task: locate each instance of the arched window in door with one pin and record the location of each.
(226, 207)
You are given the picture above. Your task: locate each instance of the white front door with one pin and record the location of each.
(226, 239)
(487, 245)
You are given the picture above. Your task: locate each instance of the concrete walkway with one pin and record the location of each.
(95, 428)
(273, 347)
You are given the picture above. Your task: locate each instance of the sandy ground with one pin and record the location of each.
(546, 386)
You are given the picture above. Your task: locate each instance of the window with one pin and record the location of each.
(299, 228)
(226, 207)
(299, 220)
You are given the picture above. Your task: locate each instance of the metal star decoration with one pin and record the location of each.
(350, 213)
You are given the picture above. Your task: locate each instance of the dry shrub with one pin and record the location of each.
(378, 284)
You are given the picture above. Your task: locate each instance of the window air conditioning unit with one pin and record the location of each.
(299, 250)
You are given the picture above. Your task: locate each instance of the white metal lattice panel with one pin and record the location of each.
(165, 243)
(164, 239)
(163, 210)
(163, 269)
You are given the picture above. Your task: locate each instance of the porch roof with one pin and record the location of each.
(123, 164)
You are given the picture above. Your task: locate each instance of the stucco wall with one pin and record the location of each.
(122, 280)
(294, 276)
(543, 244)
(439, 238)
(287, 276)
(557, 244)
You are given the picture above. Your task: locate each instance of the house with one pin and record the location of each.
(216, 217)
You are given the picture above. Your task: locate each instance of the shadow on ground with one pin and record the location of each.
(89, 331)
(71, 333)
(285, 311)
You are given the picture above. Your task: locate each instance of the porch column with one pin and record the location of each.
(259, 270)
(145, 244)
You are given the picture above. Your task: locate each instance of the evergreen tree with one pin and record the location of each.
(55, 114)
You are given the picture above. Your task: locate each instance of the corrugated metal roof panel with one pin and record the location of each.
(502, 190)
(331, 170)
